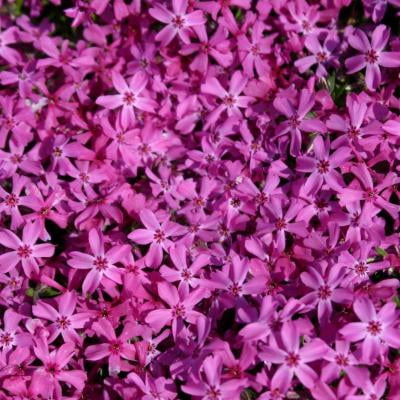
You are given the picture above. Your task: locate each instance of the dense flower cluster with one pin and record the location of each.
(199, 199)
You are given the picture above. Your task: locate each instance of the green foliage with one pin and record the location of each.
(248, 394)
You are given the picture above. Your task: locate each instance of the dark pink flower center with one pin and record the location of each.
(324, 292)
(353, 132)
(371, 56)
(205, 47)
(6, 339)
(100, 263)
(52, 368)
(371, 194)
(120, 137)
(57, 152)
(229, 101)
(213, 393)
(255, 50)
(129, 98)
(261, 198)
(159, 236)
(178, 310)
(178, 22)
(361, 268)
(323, 166)
(321, 56)
(294, 121)
(341, 360)
(63, 322)
(292, 359)
(115, 347)
(11, 200)
(374, 328)
(280, 224)
(16, 158)
(235, 202)
(186, 275)
(235, 289)
(24, 251)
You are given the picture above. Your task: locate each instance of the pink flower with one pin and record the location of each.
(100, 262)
(129, 97)
(178, 22)
(376, 330)
(25, 251)
(114, 348)
(293, 360)
(64, 321)
(231, 99)
(372, 55)
(157, 234)
(47, 377)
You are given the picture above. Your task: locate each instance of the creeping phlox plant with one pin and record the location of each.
(199, 199)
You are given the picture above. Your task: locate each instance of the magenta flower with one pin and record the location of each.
(48, 376)
(322, 55)
(157, 234)
(129, 97)
(114, 348)
(25, 251)
(322, 167)
(231, 100)
(293, 360)
(297, 120)
(377, 330)
(180, 308)
(100, 262)
(186, 275)
(212, 387)
(179, 22)
(64, 320)
(372, 55)
(325, 291)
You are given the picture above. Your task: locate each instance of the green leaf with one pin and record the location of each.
(248, 394)
(397, 301)
(30, 292)
(381, 252)
(47, 292)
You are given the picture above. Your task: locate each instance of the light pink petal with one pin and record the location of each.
(44, 310)
(111, 101)
(314, 350)
(96, 242)
(138, 82)
(160, 13)
(237, 84)
(166, 35)
(355, 64)
(80, 260)
(8, 261)
(9, 239)
(373, 76)
(273, 355)
(390, 59)
(92, 281)
(364, 309)
(97, 352)
(213, 86)
(307, 376)
(43, 250)
(119, 82)
(141, 236)
(282, 379)
(380, 37)
(157, 319)
(359, 41)
(354, 332)
(75, 378)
